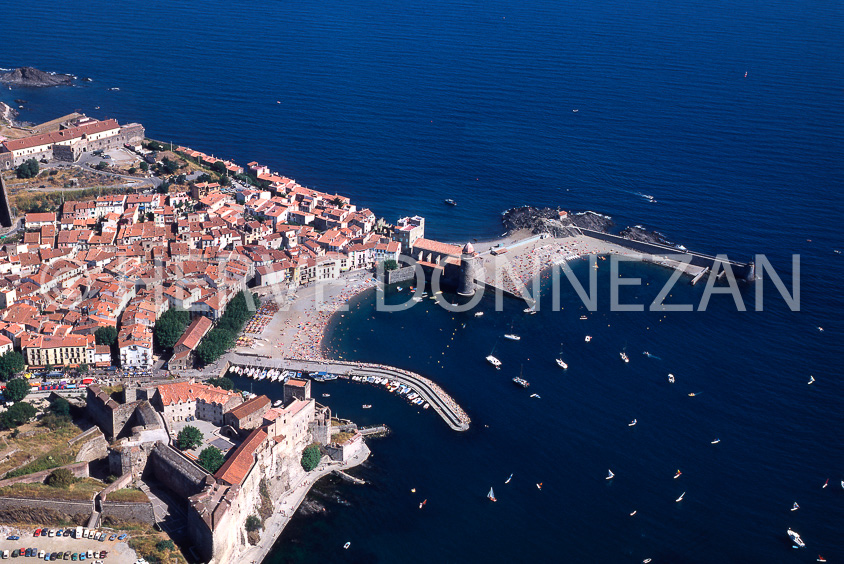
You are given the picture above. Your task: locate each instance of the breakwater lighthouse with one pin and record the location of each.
(466, 280)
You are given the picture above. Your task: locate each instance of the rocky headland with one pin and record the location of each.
(33, 78)
(559, 223)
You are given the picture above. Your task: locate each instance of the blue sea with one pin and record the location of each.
(729, 114)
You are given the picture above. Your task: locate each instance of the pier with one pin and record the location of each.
(441, 402)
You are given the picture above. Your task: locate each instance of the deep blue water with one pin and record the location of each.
(401, 104)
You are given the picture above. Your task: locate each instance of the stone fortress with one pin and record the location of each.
(262, 464)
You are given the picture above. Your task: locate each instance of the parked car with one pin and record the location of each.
(112, 537)
(66, 556)
(36, 533)
(13, 537)
(123, 536)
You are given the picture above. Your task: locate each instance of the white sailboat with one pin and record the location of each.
(671, 378)
(679, 499)
(492, 360)
(795, 507)
(610, 475)
(491, 495)
(811, 380)
(507, 481)
(632, 423)
(512, 337)
(560, 362)
(715, 442)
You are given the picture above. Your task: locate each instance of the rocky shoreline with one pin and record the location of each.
(561, 223)
(29, 77)
(7, 114)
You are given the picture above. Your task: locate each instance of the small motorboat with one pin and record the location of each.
(561, 363)
(610, 475)
(678, 474)
(479, 314)
(825, 484)
(679, 499)
(412, 490)
(539, 486)
(326, 395)
(491, 495)
(450, 202)
(795, 507)
(366, 406)
(583, 318)
(512, 337)
(671, 378)
(632, 513)
(347, 545)
(507, 481)
(795, 538)
(494, 361)
(588, 338)
(528, 310)
(535, 396)
(624, 357)
(693, 394)
(715, 442)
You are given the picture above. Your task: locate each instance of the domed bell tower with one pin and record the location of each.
(466, 283)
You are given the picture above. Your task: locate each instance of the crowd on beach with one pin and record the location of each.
(527, 263)
(308, 328)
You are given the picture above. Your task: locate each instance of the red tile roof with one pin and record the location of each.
(234, 470)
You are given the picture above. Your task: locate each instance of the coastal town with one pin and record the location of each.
(134, 306)
(90, 288)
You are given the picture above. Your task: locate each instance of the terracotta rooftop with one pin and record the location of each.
(234, 470)
(194, 333)
(179, 392)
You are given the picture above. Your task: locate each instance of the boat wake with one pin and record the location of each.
(649, 355)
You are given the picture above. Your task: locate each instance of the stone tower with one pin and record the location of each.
(466, 283)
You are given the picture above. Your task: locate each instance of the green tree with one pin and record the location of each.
(170, 327)
(16, 389)
(60, 406)
(18, 414)
(219, 167)
(253, 523)
(102, 165)
(390, 264)
(105, 335)
(166, 544)
(222, 382)
(28, 169)
(211, 459)
(310, 458)
(132, 170)
(11, 363)
(189, 437)
(144, 166)
(82, 368)
(61, 478)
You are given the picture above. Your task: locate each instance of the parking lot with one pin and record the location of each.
(118, 551)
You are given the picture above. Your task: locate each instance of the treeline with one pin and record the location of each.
(224, 335)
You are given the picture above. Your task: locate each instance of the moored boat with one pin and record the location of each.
(624, 357)
(512, 337)
(493, 361)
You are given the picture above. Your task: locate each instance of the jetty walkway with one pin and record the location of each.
(441, 402)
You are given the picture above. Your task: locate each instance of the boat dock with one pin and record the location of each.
(349, 478)
(441, 402)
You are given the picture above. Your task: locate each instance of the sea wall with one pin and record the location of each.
(740, 270)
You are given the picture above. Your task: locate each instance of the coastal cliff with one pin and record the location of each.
(34, 78)
(560, 223)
